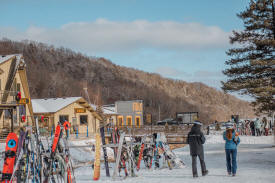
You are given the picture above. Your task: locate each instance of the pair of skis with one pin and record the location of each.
(154, 153)
(118, 156)
(58, 159)
(169, 158)
(120, 160)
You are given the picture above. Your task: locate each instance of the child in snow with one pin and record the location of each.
(196, 140)
(231, 142)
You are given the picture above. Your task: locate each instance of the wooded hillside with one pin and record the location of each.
(60, 72)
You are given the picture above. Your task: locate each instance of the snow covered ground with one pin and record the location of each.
(256, 163)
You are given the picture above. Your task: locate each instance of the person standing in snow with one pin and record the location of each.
(258, 127)
(265, 126)
(252, 127)
(231, 142)
(196, 140)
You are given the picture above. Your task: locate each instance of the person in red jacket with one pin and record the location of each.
(67, 127)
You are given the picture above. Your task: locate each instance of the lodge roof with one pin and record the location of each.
(109, 110)
(51, 105)
(4, 58)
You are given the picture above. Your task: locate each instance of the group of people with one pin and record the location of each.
(257, 127)
(196, 140)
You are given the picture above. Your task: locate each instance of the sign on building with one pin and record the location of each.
(148, 118)
(24, 101)
(79, 110)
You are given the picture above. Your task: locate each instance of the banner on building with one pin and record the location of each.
(79, 110)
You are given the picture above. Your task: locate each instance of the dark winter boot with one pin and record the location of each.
(205, 173)
(195, 176)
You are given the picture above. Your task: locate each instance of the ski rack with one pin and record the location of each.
(43, 161)
(32, 159)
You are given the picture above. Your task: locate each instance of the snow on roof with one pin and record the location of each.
(3, 58)
(93, 106)
(109, 110)
(49, 105)
(106, 109)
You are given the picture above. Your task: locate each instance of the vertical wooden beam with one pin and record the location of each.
(11, 112)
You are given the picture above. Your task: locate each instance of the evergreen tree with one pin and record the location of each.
(251, 67)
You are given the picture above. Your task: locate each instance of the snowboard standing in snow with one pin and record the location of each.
(10, 154)
(136, 149)
(148, 155)
(172, 160)
(131, 159)
(105, 152)
(152, 156)
(156, 153)
(22, 156)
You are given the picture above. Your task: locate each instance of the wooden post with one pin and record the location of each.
(11, 112)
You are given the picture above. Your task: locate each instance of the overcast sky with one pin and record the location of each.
(180, 39)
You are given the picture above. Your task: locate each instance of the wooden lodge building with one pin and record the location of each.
(15, 106)
(17, 109)
(76, 110)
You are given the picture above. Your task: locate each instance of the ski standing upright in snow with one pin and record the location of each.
(104, 151)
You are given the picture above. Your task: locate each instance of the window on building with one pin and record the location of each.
(18, 87)
(83, 119)
(63, 118)
(74, 121)
(7, 114)
(120, 120)
(137, 121)
(46, 122)
(137, 107)
(129, 121)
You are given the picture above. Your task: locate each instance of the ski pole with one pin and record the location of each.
(87, 131)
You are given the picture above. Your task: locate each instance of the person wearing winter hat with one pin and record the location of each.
(196, 140)
(231, 142)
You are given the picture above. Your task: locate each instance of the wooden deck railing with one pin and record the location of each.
(5, 95)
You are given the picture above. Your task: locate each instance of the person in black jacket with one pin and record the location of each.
(252, 127)
(196, 140)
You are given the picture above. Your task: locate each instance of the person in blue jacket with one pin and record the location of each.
(231, 142)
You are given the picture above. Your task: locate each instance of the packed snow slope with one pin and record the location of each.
(256, 163)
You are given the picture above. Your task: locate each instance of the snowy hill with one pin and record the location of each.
(66, 70)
